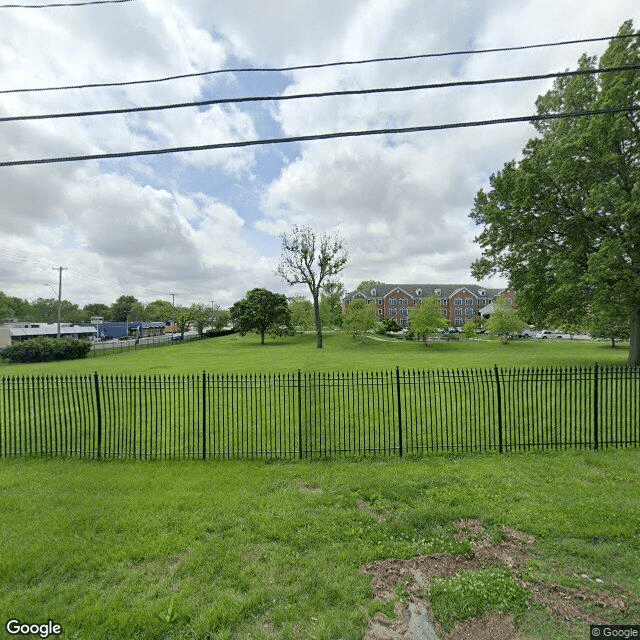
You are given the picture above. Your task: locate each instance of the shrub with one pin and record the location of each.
(46, 350)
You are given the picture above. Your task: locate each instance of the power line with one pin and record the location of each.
(419, 56)
(62, 4)
(325, 136)
(324, 94)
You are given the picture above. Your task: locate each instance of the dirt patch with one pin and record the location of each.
(414, 576)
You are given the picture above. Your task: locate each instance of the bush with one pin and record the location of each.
(46, 350)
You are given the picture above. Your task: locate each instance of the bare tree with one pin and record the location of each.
(307, 259)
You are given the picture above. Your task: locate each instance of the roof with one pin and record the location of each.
(442, 290)
(49, 330)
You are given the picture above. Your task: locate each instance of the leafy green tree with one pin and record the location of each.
(46, 310)
(126, 307)
(562, 223)
(159, 310)
(387, 325)
(611, 323)
(367, 285)
(301, 311)
(183, 318)
(221, 318)
(200, 317)
(13, 308)
(307, 259)
(261, 312)
(331, 303)
(426, 319)
(504, 320)
(95, 310)
(359, 318)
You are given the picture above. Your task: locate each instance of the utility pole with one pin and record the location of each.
(60, 270)
(173, 304)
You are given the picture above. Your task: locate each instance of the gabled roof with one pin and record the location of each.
(446, 290)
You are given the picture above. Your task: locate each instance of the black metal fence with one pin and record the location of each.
(304, 415)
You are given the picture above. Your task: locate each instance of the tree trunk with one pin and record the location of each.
(316, 312)
(634, 344)
(262, 337)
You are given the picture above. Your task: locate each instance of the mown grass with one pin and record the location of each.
(341, 352)
(254, 550)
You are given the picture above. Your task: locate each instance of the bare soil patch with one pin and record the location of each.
(414, 618)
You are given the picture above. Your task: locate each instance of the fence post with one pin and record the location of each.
(596, 407)
(99, 410)
(499, 390)
(204, 415)
(399, 396)
(299, 416)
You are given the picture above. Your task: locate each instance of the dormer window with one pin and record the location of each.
(437, 291)
(418, 292)
(373, 292)
(482, 293)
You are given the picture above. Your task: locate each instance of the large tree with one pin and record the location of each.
(307, 259)
(359, 317)
(159, 310)
(563, 223)
(261, 312)
(127, 307)
(426, 319)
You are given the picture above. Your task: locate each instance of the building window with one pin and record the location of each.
(404, 321)
(380, 301)
(404, 301)
(468, 301)
(418, 292)
(373, 292)
(445, 312)
(443, 301)
(469, 311)
(457, 301)
(379, 312)
(482, 293)
(404, 312)
(458, 311)
(393, 312)
(459, 322)
(392, 301)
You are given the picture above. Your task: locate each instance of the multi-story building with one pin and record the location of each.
(459, 303)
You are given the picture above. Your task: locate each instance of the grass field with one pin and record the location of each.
(126, 550)
(341, 352)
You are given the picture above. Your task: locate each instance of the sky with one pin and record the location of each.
(206, 225)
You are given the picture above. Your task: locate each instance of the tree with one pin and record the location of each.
(261, 312)
(126, 307)
(301, 311)
(426, 319)
(563, 222)
(13, 308)
(159, 310)
(183, 318)
(331, 303)
(359, 317)
(309, 260)
(367, 285)
(221, 318)
(200, 316)
(504, 320)
(96, 310)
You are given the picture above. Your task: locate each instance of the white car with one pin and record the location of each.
(545, 334)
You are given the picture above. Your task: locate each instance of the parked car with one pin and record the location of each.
(545, 334)
(528, 332)
(176, 336)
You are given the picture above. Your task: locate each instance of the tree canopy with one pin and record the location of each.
(261, 312)
(359, 317)
(426, 319)
(563, 223)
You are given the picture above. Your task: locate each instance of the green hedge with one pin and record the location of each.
(45, 350)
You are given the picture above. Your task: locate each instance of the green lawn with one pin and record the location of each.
(128, 550)
(235, 354)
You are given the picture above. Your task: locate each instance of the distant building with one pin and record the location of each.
(459, 303)
(13, 332)
(135, 329)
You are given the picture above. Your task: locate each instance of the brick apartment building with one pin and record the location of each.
(459, 303)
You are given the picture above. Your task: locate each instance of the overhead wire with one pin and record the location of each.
(322, 65)
(62, 4)
(323, 94)
(325, 136)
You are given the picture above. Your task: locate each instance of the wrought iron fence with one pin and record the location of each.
(305, 415)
